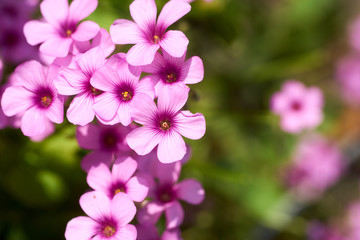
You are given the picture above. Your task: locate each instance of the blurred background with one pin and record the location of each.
(249, 48)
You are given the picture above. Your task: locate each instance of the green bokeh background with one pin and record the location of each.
(249, 47)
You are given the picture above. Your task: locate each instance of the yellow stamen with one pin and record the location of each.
(109, 231)
(68, 33)
(156, 39)
(126, 95)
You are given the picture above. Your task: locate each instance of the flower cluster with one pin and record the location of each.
(128, 108)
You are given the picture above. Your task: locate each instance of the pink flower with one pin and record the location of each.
(77, 82)
(1, 69)
(348, 75)
(164, 125)
(34, 95)
(108, 219)
(317, 164)
(149, 232)
(119, 179)
(353, 216)
(149, 35)
(165, 195)
(122, 90)
(59, 31)
(102, 40)
(319, 231)
(108, 142)
(354, 34)
(299, 107)
(168, 71)
(13, 45)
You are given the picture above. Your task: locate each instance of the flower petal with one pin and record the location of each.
(144, 13)
(142, 53)
(190, 191)
(16, 100)
(171, 12)
(174, 215)
(80, 111)
(168, 173)
(55, 112)
(55, 11)
(88, 136)
(95, 158)
(190, 125)
(33, 122)
(137, 188)
(193, 70)
(37, 32)
(127, 232)
(56, 46)
(80, 9)
(103, 40)
(171, 148)
(70, 81)
(86, 31)
(29, 75)
(173, 101)
(90, 61)
(96, 205)
(125, 32)
(143, 109)
(99, 178)
(123, 169)
(150, 213)
(175, 43)
(123, 208)
(105, 73)
(143, 139)
(81, 228)
(106, 106)
(157, 66)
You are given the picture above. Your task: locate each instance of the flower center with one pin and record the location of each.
(126, 95)
(170, 78)
(165, 125)
(68, 33)
(95, 91)
(119, 190)
(156, 39)
(109, 231)
(45, 101)
(296, 106)
(165, 197)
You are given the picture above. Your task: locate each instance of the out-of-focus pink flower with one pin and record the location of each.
(13, 45)
(107, 143)
(299, 107)
(76, 81)
(354, 34)
(168, 71)
(166, 193)
(164, 125)
(34, 95)
(108, 219)
(59, 30)
(353, 221)
(121, 91)
(319, 231)
(120, 179)
(348, 74)
(1, 69)
(149, 35)
(149, 232)
(317, 164)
